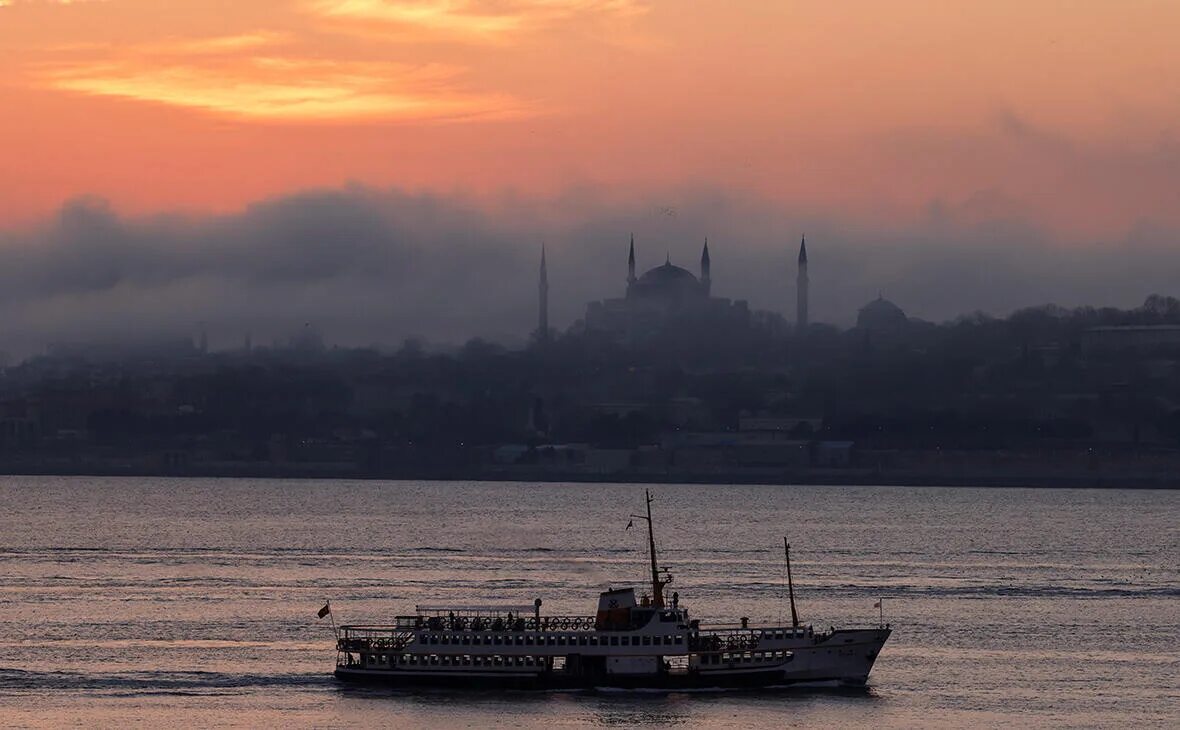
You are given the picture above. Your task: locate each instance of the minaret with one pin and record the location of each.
(631, 263)
(706, 281)
(543, 303)
(801, 289)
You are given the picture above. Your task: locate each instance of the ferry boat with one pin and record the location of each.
(649, 642)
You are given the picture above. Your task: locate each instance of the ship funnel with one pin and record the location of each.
(614, 608)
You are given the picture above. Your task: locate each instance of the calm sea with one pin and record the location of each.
(154, 602)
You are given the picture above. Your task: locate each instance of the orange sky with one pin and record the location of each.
(1062, 111)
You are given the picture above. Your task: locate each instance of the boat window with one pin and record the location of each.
(678, 639)
(582, 641)
(552, 641)
(434, 658)
(497, 640)
(593, 641)
(667, 616)
(466, 641)
(519, 640)
(528, 641)
(614, 641)
(626, 640)
(498, 660)
(647, 641)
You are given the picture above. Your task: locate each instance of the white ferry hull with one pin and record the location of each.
(843, 658)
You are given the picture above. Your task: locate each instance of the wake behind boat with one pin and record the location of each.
(646, 643)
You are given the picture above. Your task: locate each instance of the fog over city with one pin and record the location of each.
(367, 266)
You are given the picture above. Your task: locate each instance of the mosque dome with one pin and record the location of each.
(881, 315)
(667, 281)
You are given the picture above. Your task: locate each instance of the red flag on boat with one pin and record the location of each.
(327, 609)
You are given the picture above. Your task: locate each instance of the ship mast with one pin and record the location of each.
(657, 585)
(790, 584)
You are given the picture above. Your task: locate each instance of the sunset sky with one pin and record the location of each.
(1055, 116)
(1066, 110)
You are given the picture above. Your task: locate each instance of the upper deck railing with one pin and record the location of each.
(480, 623)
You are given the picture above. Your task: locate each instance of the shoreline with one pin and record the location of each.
(810, 477)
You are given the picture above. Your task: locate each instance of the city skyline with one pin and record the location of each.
(256, 167)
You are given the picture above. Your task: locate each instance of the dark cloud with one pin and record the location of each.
(367, 266)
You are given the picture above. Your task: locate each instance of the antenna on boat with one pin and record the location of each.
(657, 584)
(790, 584)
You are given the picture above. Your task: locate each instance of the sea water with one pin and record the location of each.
(155, 602)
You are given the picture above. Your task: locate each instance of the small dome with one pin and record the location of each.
(881, 314)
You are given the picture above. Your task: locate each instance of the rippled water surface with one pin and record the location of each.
(140, 602)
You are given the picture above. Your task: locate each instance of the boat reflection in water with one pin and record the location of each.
(649, 642)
